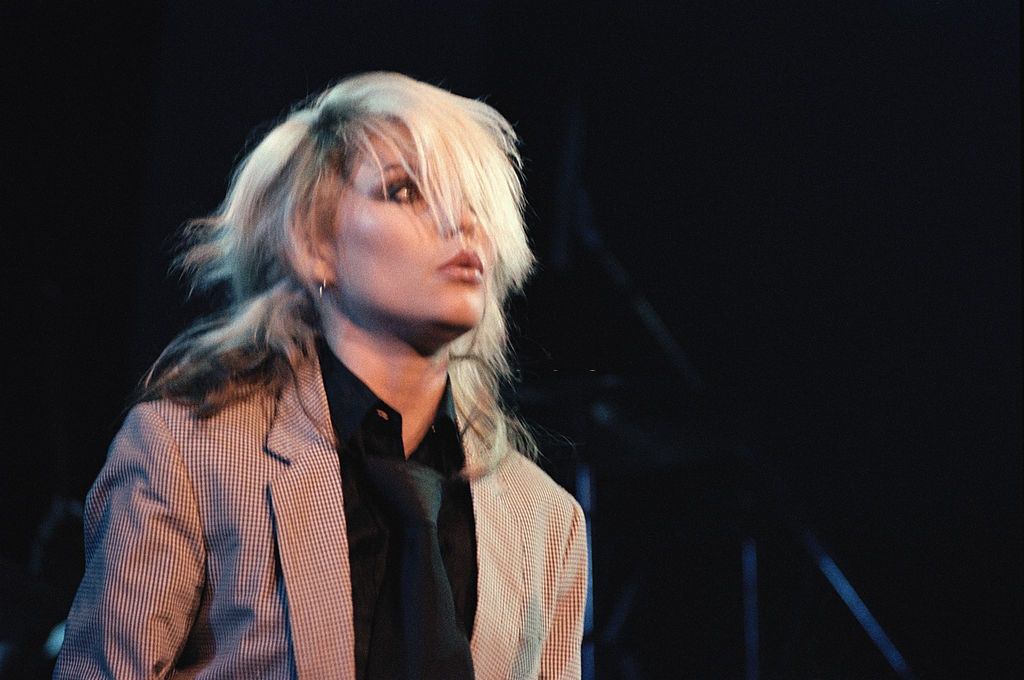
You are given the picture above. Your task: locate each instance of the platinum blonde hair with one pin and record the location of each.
(276, 216)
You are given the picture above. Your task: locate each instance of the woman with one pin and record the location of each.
(260, 511)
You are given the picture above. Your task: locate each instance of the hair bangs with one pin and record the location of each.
(461, 153)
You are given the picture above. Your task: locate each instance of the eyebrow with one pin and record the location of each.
(383, 172)
(392, 171)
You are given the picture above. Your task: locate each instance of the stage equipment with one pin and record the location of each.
(596, 407)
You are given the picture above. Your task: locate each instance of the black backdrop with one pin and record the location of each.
(821, 205)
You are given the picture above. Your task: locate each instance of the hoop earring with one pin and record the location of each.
(323, 283)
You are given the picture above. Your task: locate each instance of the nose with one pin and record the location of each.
(466, 226)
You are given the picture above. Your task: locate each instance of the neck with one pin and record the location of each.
(408, 381)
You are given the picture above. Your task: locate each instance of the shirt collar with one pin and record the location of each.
(349, 399)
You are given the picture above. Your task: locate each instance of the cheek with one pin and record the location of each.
(360, 245)
(380, 253)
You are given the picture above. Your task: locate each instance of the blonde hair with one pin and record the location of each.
(460, 153)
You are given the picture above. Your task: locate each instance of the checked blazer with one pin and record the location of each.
(217, 548)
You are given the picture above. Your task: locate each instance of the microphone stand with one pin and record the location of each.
(575, 216)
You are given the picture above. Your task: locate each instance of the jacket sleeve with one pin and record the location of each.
(561, 654)
(144, 560)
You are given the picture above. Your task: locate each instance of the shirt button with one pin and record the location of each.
(382, 413)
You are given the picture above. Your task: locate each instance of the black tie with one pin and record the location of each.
(430, 645)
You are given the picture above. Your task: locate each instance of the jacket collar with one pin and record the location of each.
(309, 526)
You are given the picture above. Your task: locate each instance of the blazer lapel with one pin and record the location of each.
(498, 627)
(309, 526)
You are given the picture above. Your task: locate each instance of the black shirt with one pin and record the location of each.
(366, 426)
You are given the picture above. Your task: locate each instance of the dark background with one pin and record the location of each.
(820, 205)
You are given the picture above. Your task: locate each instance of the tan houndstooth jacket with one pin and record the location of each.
(217, 549)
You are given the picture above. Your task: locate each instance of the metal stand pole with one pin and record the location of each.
(585, 497)
(751, 632)
(576, 222)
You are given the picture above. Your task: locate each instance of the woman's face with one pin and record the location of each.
(395, 273)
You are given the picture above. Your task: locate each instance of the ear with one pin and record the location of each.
(314, 251)
(323, 272)
(314, 263)
(320, 233)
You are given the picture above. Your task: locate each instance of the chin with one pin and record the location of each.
(433, 338)
(455, 327)
(429, 334)
(466, 315)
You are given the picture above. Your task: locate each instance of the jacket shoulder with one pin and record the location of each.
(246, 417)
(534, 493)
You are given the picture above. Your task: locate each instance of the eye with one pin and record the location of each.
(402, 191)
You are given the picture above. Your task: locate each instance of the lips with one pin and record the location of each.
(465, 266)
